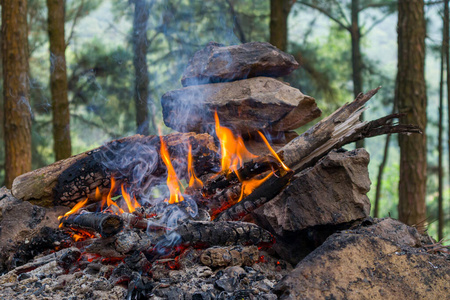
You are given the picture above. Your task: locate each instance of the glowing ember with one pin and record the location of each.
(232, 148)
(273, 152)
(194, 182)
(172, 179)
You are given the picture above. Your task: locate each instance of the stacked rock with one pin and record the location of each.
(237, 82)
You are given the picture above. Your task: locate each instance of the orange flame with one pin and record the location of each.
(109, 200)
(273, 152)
(131, 205)
(76, 208)
(193, 179)
(172, 179)
(249, 186)
(232, 148)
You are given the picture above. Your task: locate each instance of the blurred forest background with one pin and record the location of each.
(114, 48)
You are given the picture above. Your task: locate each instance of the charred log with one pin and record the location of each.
(69, 181)
(217, 234)
(105, 224)
(340, 128)
(261, 195)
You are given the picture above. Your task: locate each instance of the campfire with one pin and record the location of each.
(144, 209)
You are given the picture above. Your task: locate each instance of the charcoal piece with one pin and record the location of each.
(226, 284)
(245, 106)
(105, 224)
(218, 63)
(202, 296)
(67, 259)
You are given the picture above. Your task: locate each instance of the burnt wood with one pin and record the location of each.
(103, 223)
(69, 181)
(217, 234)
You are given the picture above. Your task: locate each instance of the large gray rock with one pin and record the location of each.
(319, 201)
(217, 63)
(245, 105)
(375, 262)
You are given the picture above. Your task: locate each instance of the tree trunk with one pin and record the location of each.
(355, 33)
(17, 109)
(447, 63)
(141, 86)
(279, 12)
(58, 80)
(412, 100)
(440, 131)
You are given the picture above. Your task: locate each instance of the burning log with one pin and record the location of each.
(69, 181)
(340, 128)
(103, 223)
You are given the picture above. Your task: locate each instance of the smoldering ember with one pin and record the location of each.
(236, 205)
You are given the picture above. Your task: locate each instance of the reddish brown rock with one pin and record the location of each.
(375, 262)
(217, 63)
(245, 105)
(319, 201)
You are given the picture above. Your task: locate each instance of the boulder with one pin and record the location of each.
(20, 223)
(245, 105)
(319, 201)
(217, 63)
(374, 262)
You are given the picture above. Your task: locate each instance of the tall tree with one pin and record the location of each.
(412, 100)
(16, 105)
(279, 12)
(440, 132)
(58, 80)
(141, 85)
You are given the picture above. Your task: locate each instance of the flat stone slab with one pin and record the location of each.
(217, 63)
(246, 106)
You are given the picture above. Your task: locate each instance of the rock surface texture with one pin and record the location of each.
(245, 105)
(20, 223)
(217, 63)
(319, 201)
(375, 262)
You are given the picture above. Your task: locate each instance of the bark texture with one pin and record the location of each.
(141, 88)
(16, 105)
(412, 100)
(279, 12)
(58, 80)
(355, 33)
(71, 180)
